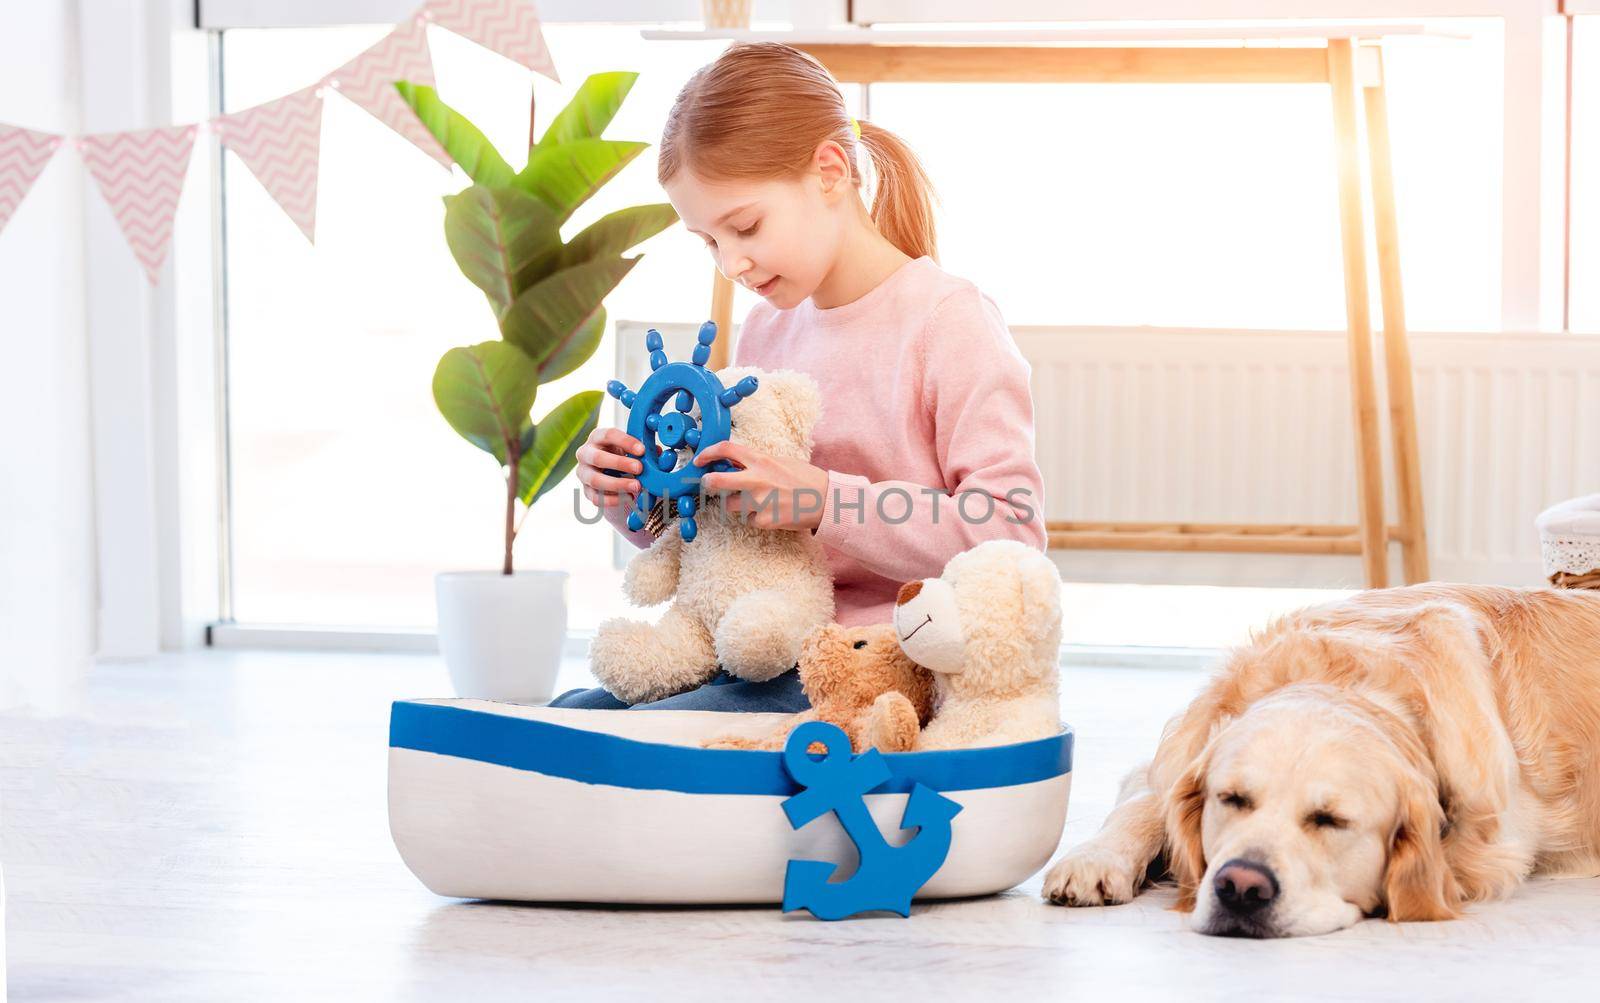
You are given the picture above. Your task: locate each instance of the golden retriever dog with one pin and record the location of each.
(1402, 753)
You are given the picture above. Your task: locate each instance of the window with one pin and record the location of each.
(1210, 205)
(349, 491)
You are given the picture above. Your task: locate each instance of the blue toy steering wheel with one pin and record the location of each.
(665, 432)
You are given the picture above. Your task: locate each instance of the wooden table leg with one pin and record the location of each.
(722, 316)
(1396, 344)
(1363, 390)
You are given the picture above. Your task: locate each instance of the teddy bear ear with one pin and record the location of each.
(729, 375)
(797, 399)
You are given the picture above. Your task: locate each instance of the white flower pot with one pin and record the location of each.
(501, 635)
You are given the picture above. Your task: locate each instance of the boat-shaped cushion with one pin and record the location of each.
(495, 800)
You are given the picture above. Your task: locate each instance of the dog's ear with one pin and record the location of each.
(1449, 653)
(1417, 881)
(1186, 856)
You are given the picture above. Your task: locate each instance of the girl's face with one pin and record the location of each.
(779, 238)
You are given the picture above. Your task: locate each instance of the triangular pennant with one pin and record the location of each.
(368, 80)
(23, 157)
(280, 142)
(141, 175)
(509, 27)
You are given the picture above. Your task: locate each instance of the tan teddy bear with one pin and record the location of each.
(743, 598)
(848, 673)
(990, 629)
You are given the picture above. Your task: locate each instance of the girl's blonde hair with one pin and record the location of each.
(760, 111)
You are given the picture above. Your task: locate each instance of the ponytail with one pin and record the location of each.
(760, 111)
(902, 197)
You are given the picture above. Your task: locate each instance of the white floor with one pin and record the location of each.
(213, 828)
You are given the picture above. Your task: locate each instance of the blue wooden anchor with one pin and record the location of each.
(887, 876)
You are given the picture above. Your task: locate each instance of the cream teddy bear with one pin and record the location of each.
(989, 627)
(743, 598)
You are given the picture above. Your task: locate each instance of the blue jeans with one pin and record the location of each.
(779, 695)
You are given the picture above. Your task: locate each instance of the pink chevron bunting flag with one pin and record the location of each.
(24, 154)
(509, 27)
(141, 175)
(368, 80)
(280, 142)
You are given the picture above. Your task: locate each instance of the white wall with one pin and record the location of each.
(47, 531)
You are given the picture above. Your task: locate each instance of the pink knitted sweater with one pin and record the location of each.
(926, 429)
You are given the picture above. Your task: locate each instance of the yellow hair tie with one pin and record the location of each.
(855, 127)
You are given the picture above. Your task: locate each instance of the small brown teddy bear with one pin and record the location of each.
(847, 672)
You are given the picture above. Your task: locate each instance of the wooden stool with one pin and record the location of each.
(1345, 69)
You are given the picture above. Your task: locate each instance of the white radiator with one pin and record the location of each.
(1145, 424)
(1209, 426)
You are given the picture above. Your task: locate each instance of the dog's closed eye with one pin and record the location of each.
(1325, 820)
(1233, 799)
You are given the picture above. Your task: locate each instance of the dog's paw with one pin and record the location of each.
(1092, 875)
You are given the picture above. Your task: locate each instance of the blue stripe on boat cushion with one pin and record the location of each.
(593, 757)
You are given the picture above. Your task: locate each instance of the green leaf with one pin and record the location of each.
(556, 444)
(558, 321)
(460, 138)
(565, 175)
(485, 392)
(590, 110)
(611, 235)
(495, 233)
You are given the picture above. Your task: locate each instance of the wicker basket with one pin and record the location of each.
(726, 13)
(1569, 542)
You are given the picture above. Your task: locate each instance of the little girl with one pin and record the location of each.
(925, 444)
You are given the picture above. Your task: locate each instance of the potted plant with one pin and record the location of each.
(502, 632)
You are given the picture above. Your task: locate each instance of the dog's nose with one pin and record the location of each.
(907, 592)
(1244, 887)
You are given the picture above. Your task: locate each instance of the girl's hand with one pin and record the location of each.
(776, 493)
(609, 449)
